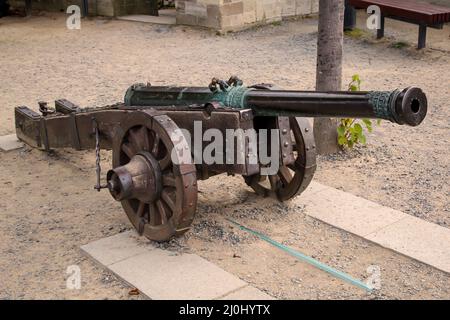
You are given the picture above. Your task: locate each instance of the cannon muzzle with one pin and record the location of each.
(411, 106)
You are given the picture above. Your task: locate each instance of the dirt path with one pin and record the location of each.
(48, 208)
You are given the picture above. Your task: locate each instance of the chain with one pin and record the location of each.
(98, 168)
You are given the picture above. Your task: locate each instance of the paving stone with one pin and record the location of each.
(10, 142)
(419, 239)
(164, 274)
(248, 293)
(393, 229)
(116, 248)
(162, 19)
(346, 211)
(161, 274)
(313, 188)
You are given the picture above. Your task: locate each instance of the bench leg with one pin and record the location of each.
(85, 8)
(349, 16)
(28, 8)
(422, 36)
(380, 31)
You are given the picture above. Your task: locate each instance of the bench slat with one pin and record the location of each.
(423, 13)
(407, 5)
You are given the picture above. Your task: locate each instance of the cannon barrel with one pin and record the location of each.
(408, 106)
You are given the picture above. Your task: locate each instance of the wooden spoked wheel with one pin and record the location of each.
(293, 179)
(156, 186)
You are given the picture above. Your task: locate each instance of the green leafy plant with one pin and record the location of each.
(355, 33)
(400, 45)
(351, 131)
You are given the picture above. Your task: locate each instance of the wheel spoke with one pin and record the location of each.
(134, 138)
(155, 146)
(143, 132)
(162, 211)
(292, 167)
(152, 212)
(168, 181)
(285, 175)
(128, 149)
(139, 138)
(141, 209)
(168, 200)
(164, 162)
(273, 182)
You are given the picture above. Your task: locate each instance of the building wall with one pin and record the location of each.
(109, 8)
(204, 13)
(46, 5)
(223, 15)
(227, 15)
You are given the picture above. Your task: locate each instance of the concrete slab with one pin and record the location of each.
(161, 19)
(392, 229)
(346, 211)
(421, 240)
(247, 293)
(10, 142)
(162, 274)
(312, 189)
(116, 248)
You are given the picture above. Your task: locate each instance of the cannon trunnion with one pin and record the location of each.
(157, 152)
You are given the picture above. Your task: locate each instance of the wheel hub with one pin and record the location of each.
(139, 179)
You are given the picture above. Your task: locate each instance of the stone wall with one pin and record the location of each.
(109, 8)
(232, 15)
(223, 15)
(204, 13)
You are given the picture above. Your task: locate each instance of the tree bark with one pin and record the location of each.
(329, 68)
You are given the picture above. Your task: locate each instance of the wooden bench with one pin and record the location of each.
(425, 15)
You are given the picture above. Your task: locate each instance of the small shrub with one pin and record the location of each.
(399, 45)
(351, 131)
(355, 33)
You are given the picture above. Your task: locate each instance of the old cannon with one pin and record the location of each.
(158, 158)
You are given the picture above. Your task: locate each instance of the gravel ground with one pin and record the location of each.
(48, 208)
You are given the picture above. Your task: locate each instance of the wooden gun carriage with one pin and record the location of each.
(150, 175)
